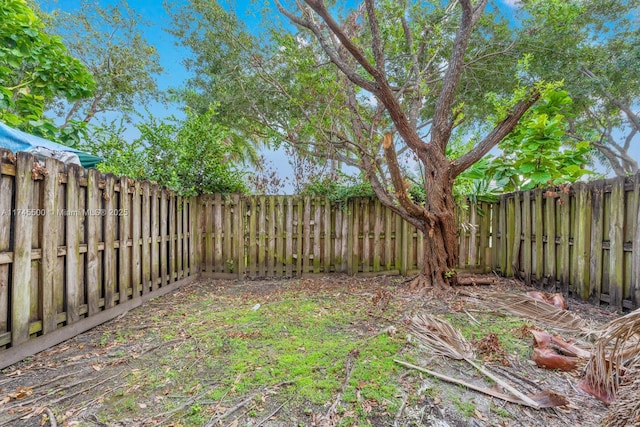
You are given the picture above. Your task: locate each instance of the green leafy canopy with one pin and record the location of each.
(35, 69)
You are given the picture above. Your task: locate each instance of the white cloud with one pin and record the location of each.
(512, 3)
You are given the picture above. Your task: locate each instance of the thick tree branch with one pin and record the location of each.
(399, 184)
(442, 124)
(380, 88)
(376, 40)
(497, 134)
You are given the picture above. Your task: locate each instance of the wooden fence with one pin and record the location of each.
(583, 239)
(289, 236)
(78, 248)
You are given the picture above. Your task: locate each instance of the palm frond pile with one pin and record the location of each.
(615, 355)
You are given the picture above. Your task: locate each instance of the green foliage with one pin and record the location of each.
(35, 69)
(339, 188)
(536, 154)
(190, 156)
(109, 41)
(592, 46)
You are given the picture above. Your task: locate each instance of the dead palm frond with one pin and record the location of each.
(540, 311)
(616, 351)
(625, 410)
(442, 339)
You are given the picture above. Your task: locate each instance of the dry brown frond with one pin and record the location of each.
(616, 351)
(625, 410)
(540, 311)
(443, 339)
(440, 337)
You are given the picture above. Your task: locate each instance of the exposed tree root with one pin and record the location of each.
(243, 403)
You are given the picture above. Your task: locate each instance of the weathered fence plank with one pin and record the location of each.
(179, 238)
(597, 235)
(94, 224)
(539, 234)
(109, 234)
(155, 234)
(582, 239)
(164, 254)
(124, 215)
(21, 283)
(565, 230)
(73, 260)
(616, 245)
(49, 239)
(136, 262)
(526, 231)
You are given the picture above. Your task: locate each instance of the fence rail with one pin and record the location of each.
(78, 248)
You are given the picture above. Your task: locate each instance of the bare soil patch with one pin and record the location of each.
(298, 352)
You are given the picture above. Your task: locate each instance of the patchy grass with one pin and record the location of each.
(302, 352)
(297, 340)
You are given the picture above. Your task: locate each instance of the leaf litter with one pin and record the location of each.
(201, 356)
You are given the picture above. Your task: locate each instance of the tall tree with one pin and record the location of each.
(593, 46)
(382, 88)
(35, 69)
(407, 57)
(110, 42)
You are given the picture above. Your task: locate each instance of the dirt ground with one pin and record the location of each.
(148, 367)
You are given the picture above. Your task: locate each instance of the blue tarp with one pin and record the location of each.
(17, 140)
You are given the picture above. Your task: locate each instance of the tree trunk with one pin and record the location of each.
(440, 231)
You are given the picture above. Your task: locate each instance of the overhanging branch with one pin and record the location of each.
(497, 134)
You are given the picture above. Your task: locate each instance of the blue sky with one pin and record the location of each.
(171, 56)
